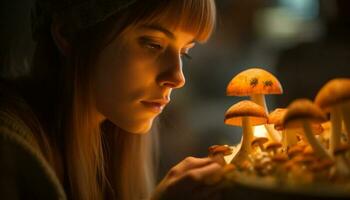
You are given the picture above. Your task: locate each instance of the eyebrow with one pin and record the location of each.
(159, 28)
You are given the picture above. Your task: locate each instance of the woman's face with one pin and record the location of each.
(137, 72)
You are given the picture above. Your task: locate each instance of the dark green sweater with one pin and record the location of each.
(24, 172)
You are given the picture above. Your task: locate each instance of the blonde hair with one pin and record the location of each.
(105, 160)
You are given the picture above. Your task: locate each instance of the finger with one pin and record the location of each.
(188, 164)
(198, 176)
(194, 178)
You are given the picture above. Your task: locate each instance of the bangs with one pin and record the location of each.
(192, 16)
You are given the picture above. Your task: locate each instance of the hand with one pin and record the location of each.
(193, 178)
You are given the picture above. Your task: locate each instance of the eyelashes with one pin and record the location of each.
(157, 47)
(150, 43)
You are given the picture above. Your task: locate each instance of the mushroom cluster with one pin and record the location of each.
(306, 142)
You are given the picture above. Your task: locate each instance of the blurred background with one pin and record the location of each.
(304, 43)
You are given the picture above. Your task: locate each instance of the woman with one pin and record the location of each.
(80, 122)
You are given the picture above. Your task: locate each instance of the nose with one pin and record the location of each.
(172, 76)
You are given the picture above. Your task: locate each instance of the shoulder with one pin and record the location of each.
(23, 169)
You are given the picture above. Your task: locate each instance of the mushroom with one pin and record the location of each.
(275, 118)
(256, 82)
(273, 147)
(334, 97)
(301, 113)
(217, 152)
(246, 114)
(289, 138)
(259, 142)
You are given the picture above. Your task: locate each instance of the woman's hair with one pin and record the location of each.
(91, 159)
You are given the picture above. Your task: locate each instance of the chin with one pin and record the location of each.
(139, 128)
(139, 131)
(134, 126)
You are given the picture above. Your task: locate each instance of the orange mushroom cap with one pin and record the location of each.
(276, 118)
(220, 149)
(272, 145)
(245, 108)
(259, 141)
(303, 109)
(333, 92)
(253, 81)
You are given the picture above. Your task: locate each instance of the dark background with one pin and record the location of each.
(304, 43)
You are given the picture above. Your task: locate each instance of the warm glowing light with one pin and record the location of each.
(260, 131)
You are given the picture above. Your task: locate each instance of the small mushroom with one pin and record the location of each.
(273, 147)
(289, 138)
(301, 113)
(276, 117)
(259, 142)
(217, 152)
(256, 83)
(246, 114)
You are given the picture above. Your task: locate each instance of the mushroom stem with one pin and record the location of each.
(260, 100)
(335, 129)
(289, 138)
(345, 112)
(247, 138)
(272, 133)
(314, 143)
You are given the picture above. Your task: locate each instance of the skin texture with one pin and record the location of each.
(143, 64)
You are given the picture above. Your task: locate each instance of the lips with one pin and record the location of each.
(155, 105)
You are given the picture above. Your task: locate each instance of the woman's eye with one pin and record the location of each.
(150, 43)
(154, 46)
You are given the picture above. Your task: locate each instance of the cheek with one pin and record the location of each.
(121, 83)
